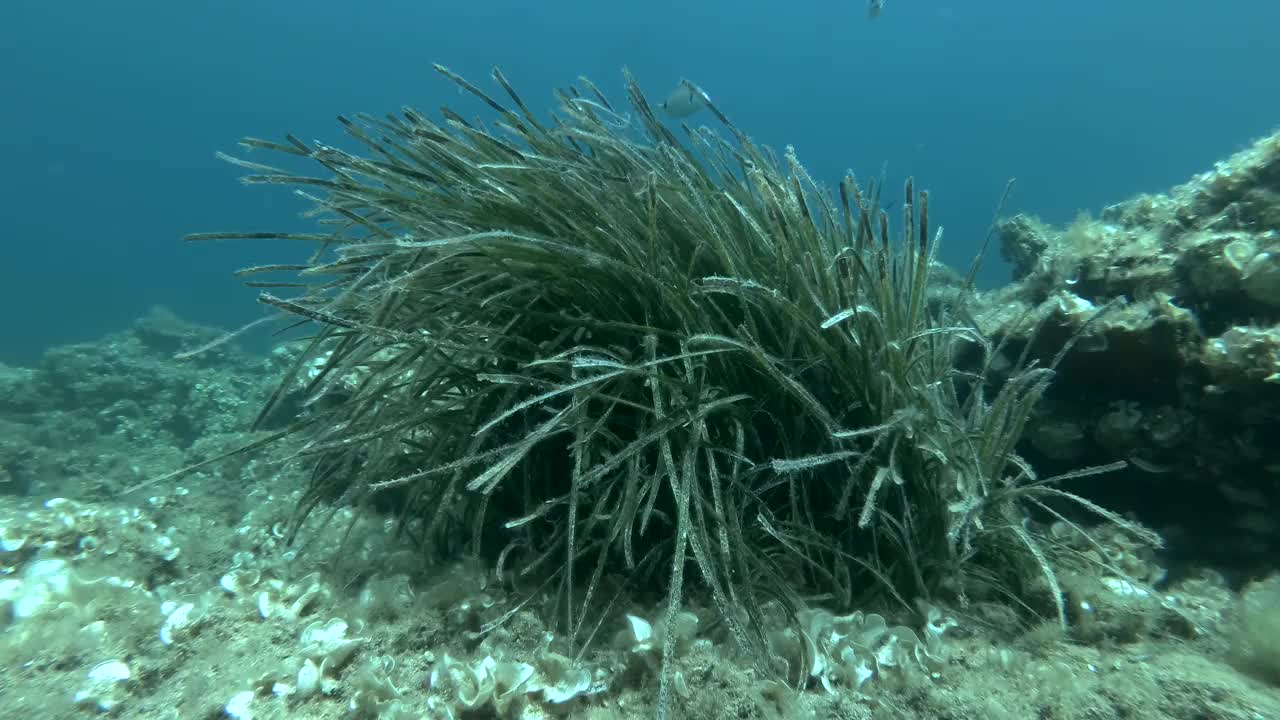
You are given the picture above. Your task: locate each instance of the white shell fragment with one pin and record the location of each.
(308, 678)
(286, 601)
(110, 671)
(11, 541)
(103, 692)
(238, 581)
(178, 619)
(641, 634)
(329, 641)
(238, 706)
(850, 650)
(564, 680)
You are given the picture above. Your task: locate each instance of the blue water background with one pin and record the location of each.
(110, 113)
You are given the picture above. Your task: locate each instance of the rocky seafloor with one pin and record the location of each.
(126, 594)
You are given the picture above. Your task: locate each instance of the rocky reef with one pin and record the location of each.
(1173, 304)
(90, 419)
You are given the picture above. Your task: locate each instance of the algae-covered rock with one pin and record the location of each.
(1254, 632)
(93, 418)
(1169, 305)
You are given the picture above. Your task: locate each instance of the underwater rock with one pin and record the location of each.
(1170, 307)
(90, 419)
(1023, 241)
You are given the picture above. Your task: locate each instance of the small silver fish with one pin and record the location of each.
(685, 100)
(874, 8)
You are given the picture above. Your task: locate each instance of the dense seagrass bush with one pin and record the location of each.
(589, 349)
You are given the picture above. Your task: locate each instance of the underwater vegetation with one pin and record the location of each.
(606, 357)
